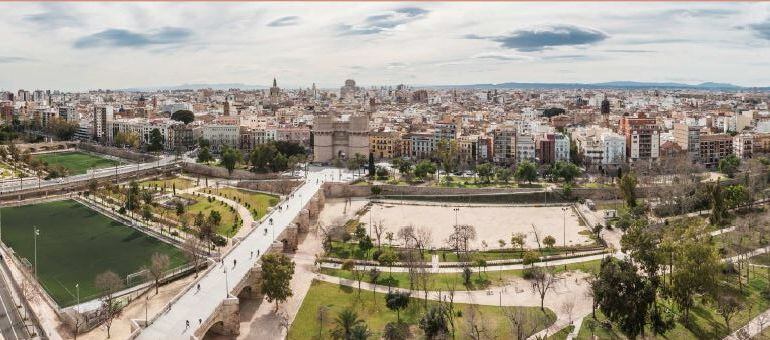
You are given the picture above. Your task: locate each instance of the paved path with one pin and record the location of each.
(752, 328)
(440, 270)
(193, 305)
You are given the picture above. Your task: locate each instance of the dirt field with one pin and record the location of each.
(492, 222)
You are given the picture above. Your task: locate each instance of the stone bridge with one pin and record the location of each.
(226, 318)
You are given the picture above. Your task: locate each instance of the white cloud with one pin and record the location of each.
(145, 44)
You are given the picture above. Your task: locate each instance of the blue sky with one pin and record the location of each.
(75, 46)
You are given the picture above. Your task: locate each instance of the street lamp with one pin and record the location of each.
(456, 210)
(36, 234)
(564, 226)
(77, 292)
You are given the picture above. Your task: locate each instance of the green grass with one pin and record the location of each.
(562, 334)
(371, 308)
(479, 280)
(256, 202)
(76, 162)
(77, 243)
(169, 183)
(227, 226)
(705, 322)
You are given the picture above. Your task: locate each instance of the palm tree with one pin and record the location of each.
(360, 332)
(346, 321)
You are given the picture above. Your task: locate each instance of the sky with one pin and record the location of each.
(80, 46)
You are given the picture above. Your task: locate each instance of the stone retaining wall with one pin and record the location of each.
(117, 152)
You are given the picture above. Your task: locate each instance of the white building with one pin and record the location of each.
(221, 135)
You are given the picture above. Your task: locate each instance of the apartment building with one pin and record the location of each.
(688, 138)
(642, 137)
(385, 144)
(713, 147)
(504, 145)
(743, 145)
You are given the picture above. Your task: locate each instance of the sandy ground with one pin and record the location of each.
(492, 223)
(340, 210)
(121, 327)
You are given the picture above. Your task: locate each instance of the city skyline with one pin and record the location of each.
(81, 46)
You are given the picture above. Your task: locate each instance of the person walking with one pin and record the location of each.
(186, 324)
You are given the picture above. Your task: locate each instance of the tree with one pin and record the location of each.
(517, 240)
(696, 271)
(623, 295)
(729, 164)
(277, 270)
(485, 172)
(156, 140)
(371, 166)
(360, 332)
(395, 331)
(109, 283)
(184, 116)
(396, 301)
(423, 169)
(565, 170)
(191, 249)
(727, 306)
(404, 167)
(718, 205)
(159, 263)
(388, 258)
(204, 155)
(503, 174)
(549, 241)
(230, 157)
(627, 186)
(346, 320)
(526, 171)
(543, 280)
(434, 322)
(460, 238)
(447, 151)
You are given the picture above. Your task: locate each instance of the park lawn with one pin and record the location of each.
(76, 162)
(230, 222)
(562, 334)
(76, 244)
(256, 202)
(736, 242)
(479, 279)
(705, 322)
(371, 308)
(169, 183)
(763, 259)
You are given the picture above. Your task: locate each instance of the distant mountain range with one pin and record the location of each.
(606, 85)
(224, 86)
(509, 85)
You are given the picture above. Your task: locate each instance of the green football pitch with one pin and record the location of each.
(76, 162)
(76, 244)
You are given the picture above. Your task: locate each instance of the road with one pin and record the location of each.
(215, 284)
(31, 182)
(11, 325)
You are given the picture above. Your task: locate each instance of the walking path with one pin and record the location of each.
(459, 269)
(193, 305)
(752, 328)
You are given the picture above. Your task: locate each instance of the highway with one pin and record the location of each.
(11, 325)
(10, 185)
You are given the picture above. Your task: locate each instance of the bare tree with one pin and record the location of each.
(108, 284)
(159, 263)
(727, 306)
(476, 325)
(567, 307)
(378, 228)
(543, 280)
(522, 325)
(460, 238)
(191, 249)
(536, 232)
